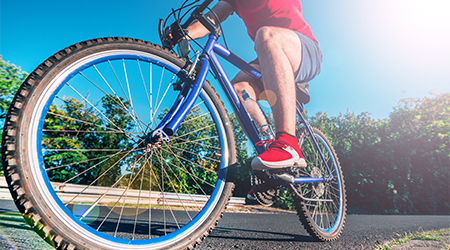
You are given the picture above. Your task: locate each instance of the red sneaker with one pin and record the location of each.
(283, 152)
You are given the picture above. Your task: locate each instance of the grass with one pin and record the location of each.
(431, 236)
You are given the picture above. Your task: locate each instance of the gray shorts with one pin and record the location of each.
(311, 59)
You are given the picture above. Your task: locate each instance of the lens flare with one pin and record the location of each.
(86, 213)
(268, 98)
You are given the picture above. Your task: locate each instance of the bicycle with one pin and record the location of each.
(98, 155)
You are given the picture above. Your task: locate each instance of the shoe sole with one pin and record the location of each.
(258, 164)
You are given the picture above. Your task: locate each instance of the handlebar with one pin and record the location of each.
(176, 27)
(195, 13)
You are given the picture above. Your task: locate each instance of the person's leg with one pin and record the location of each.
(243, 81)
(279, 52)
(280, 55)
(253, 87)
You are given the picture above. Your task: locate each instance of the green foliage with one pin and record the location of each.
(243, 167)
(10, 79)
(396, 165)
(419, 134)
(73, 133)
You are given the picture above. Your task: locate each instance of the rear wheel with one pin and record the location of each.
(74, 160)
(322, 210)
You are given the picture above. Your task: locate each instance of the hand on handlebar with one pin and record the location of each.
(171, 36)
(167, 38)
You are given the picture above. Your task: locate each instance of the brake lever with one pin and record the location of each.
(160, 30)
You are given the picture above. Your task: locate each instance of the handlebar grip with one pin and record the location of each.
(204, 5)
(198, 10)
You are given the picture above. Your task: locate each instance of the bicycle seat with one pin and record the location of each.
(302, 92)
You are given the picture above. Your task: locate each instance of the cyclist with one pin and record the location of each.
(288, 56)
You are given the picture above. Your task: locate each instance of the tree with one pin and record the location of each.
(73, 133)
(396, 165)
(10, 79)
(420, 137)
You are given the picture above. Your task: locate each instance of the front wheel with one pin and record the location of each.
(322, 207)
(75, 162)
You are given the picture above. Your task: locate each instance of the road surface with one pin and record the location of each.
(256, 231)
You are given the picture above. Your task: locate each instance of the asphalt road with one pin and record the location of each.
(256, 231)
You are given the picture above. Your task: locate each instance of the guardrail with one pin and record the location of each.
(74, 192)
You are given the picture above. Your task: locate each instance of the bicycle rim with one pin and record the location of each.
(323, 211)
(90, 168)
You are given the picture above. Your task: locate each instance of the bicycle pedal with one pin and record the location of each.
(286, 177)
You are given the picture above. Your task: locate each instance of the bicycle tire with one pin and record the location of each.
(41, 112)
(324, 220)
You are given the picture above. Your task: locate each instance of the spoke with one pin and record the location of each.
(143, 83)
(150, 198)
(112, 90)
(183, 135)
(98, 178)
(164, 96)
(99, 200)
(175, 190)
(81, 150)
(200, 157)
(130, 182)
(118, 80)
(191, 175)
(134, 117)
(194, 163)
(90, 123)
(95, 165)
(139, 197)
(157, 94)
(195, 118)
(115, 204)
(129, 92)
(121, 86)
(89, 131)
(164, 199)
(151, 93)
(184, 169)
(92, 105)
(74, 163)
(197, 142)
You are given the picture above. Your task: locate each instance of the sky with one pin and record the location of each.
(375, 51)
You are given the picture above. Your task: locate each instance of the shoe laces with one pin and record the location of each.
(272, 143)
(266, 142)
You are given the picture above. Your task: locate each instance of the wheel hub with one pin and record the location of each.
(148, 143)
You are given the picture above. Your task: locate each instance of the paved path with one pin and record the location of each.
(255, 231)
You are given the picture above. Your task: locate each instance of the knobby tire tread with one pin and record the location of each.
(300, 207)
(12, 158)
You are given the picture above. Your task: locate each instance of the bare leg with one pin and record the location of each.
(242, 81)
(279, 53)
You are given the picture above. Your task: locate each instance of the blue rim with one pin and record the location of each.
(338, 177)
(169, 237)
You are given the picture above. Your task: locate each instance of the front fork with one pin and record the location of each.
(182, 105)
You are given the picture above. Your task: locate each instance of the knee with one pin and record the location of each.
(239, 86)
(266, 37)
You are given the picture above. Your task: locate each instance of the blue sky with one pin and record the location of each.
(375, 51)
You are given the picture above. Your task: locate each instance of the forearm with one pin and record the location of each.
(197, 30)
(222, 10)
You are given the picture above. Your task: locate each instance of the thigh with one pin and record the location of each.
(271, 41)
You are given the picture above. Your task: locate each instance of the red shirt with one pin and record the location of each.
(278, 13)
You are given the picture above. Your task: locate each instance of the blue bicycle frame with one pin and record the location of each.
(185, 100)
